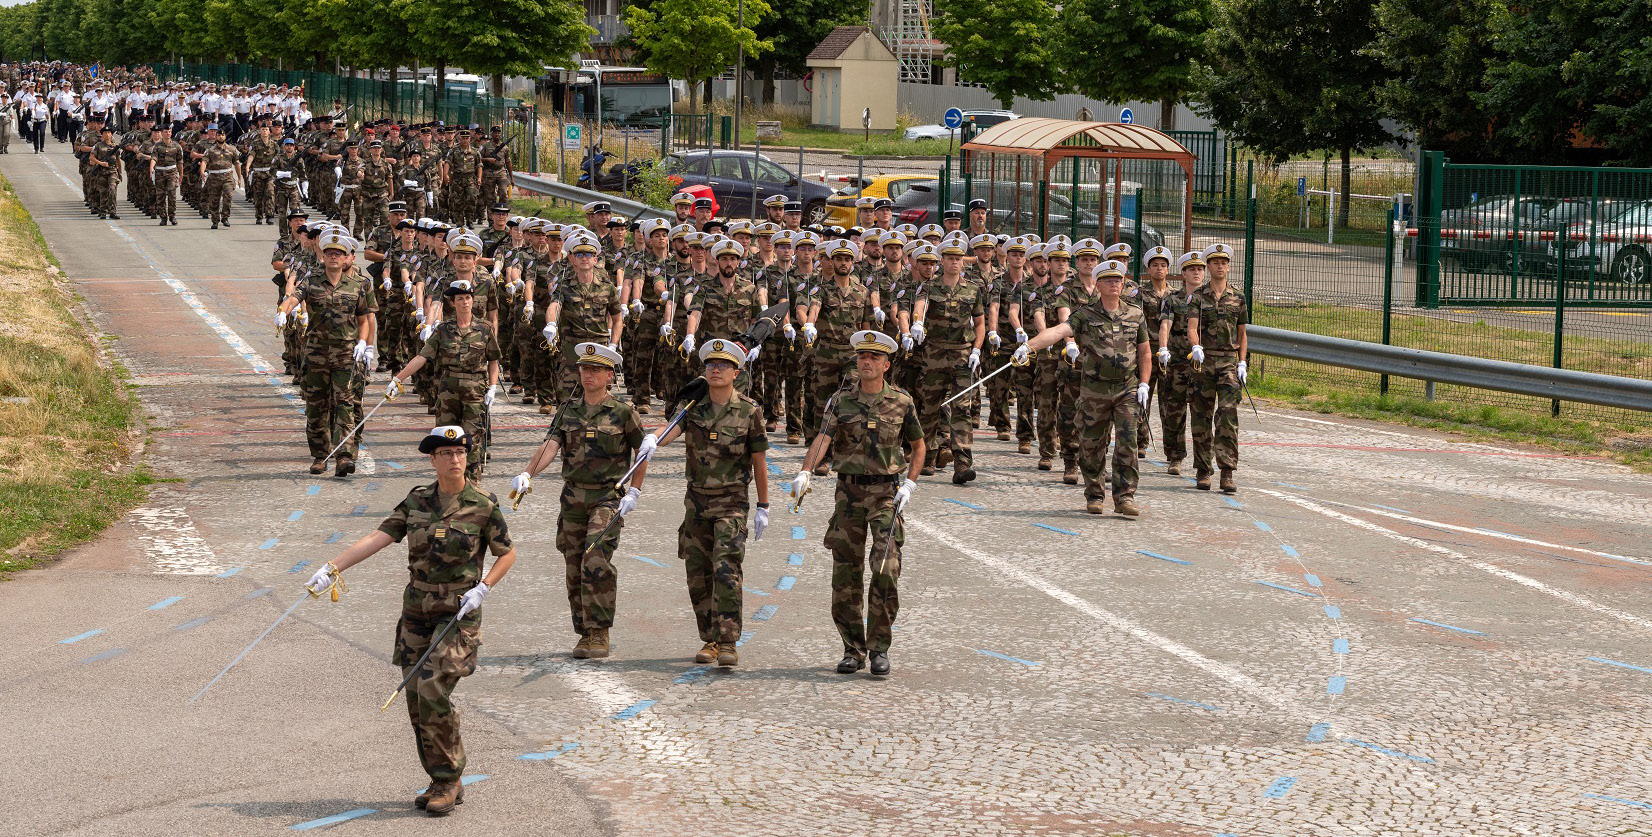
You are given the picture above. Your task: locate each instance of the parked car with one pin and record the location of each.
(1621, 247)
(980, 119)
(840, 207)
(920, 204)
(1494, 217)
(738, 178)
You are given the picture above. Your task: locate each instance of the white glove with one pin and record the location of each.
(472, 599)
(322, 579)
(360, 352)
(1198, 354)
(521, 483)
(918, 333)
(492, 393)
(392, 389)
(1243, 368)
(666, 330)
(1164, 355)
(424, 333)
(688, 344)
(994, 339)
(810, 333)
(407, 288)
(418, 316)
(550, 332)
(527, 311)
(1141, 395)
(878, 316)
(629, 501)
(1021, 356)
(636, 307)
(387, 284)
(791, 333)
(280, 319)
(1020, 335)
(800, 484)
(759, 522)
(907, 342)
(751, 356)
(902, 496)
(613, 347)
(974, 359)
(372, 356)
(650, 443)
(1071, 352)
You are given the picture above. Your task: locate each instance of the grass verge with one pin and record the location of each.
(68, 424)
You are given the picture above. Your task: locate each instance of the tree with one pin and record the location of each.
(1128, 50)
(795, 35)
(1294, 76)
(1006, 46)
(514, 37)
(1437, 52)
(695, 39)
(122, 31)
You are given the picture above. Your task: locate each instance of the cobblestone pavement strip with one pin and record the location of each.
(1385, 632)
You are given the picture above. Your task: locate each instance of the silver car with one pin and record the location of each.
(981, 119)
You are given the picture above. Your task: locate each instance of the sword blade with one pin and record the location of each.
(414, 672)
(358, 427)
(244, 651)
(962, 392)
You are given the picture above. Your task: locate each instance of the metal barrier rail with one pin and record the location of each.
(1539, 235)
(1502, 376)
(634, 210)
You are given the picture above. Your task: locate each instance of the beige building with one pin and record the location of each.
(853, 73)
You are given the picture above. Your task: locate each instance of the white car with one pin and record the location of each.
(982, 120)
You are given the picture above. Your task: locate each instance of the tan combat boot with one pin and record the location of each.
(1024, 447)
(1003, 435)
(1125, 507)
(708, 653)
(1046, 464)
(597, 643)
(546, 409)
(1096, 506)
(727, 655)
(1175, 469)
(1228, 486)
(793, 439)
(443, 796)
(582, 649)
(1201, 480)
(943, 457)
(1070, 476)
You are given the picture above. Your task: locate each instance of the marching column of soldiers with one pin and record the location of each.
(876, 352)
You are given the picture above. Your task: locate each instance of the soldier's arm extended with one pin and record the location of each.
(1047, 337)
(817, 450)
(992, 314)
(616, 325)
(543, 457)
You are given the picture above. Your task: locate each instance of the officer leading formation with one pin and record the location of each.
(875, 352)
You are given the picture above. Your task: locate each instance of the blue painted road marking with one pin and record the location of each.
(334, 819)
(78, 637)
(550, 754)
(1055, 529)
(1448, 627)
(1232, 502)
(300, 565)
(1385, 751)
(194, 623)
(358, 511)
(295, 515)
(259, 593)
(113, 652)
(1333, 611)
(1263, 526)
(1645, 805)
(692, 675)
(745, 637)
(396, 465)
(647, 560)
(1289, 550)
(1339, 646)
(765, 613)
(165, 603)
(313, 490)
(1280, 787)
(755, 592)
(269, 544)
(372, 486)
(1313, 580)
(334, 537)
(1164, 557)
(795, 559)
(797, 533)
(633, 710)
(1005, 657)
(1621, 665)
(786, 582)
(963, 503)
(1205, 706)
(1317, 732)
(1390, 508)
(237, 570)
(1297, 487)
(1288, 589)
(1336, 685)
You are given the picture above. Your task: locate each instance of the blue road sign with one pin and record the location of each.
(953, 118)
(1302, 185)
(1127, 116)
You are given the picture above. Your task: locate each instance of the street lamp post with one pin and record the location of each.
(739, 72)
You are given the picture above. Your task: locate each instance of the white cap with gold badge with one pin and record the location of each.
(720, 349)
(596, 354)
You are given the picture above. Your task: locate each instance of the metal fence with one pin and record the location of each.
(367, 99)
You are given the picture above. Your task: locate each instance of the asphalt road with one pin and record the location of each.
(1385, 632)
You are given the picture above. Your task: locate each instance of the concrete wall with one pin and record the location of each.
(928, 102)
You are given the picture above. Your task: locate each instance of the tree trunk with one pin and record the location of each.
(693, 97)
(1167, 115)
(441, 81)
(498, 85)
(765, 70)
(1347, 187)
(708, 93)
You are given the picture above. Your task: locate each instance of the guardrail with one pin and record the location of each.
(634, 210)
(1502, 376)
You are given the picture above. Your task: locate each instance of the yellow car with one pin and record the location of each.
(840, 207)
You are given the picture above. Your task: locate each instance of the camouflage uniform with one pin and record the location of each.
(300, 263)
(446, 539)
(330, 399)
(949, 322)
(375, 191)
(1045, 373)
(1071, 295)
(642, 377)
(261, 156)
(349, 201)
(496, 168)
(102, 179)
(1107, 343)
(597, 444)
(1216, 391)
(284, 171)
(535, 369)
(869, 433)
(464, 192)
(770, 365)
(220, 158)
(458, 358)
(843, 311)
(168, 157)
(1176, 389)
(586, 309)
(1152, 304)
(720, 440)
(726, 314)
(1006, 385)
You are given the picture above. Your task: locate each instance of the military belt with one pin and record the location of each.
(441, 589)
(348, 185)
(220, 171)
(866, 479)
(1222, 352)
(166, 168)
(266, 168)
(590, 486)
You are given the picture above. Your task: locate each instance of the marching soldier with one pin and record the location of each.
(597, 435)
(1175, 359)
(293, 263)
(1152, 297)
(220, 173)
(462, 173)
(1005, 318)
(413, 181)
(650, 290)
(838, 307)
(1216, 327)
(449, 526)
(341, 304)
(165, 158)
(725, 445)
(726, 306)
(1108, 342)
(1032, 310)
(585, 307)
(261, 157)
(1073, 293)
(104, 173)
(864, 431)
(950, 322)
(348, 190)
(496, 168)
(377, 175)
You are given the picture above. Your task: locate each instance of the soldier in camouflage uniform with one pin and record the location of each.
(413, 181)
(950, 322)
(104, 173)
(1018, 382)
(341, 304)
(293, 263)
(725, 445)
(1151, 297)
(1175, 357)
(465, 358)
(449, 527)
(496, 169)
(462, 173)
(349, 181)
(1044, 371)
(841, 305)
(1076, 292)
(166, 157)
(377, 176)
(1107, 340)
(775, 279)
(585, 307)
(261, 156)
(650, 288)
(726, 306)
(285, 171)
(597, 435)
(221, 175)
(864, 431)
(1216, 323)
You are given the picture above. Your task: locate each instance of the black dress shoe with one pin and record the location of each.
(849, 664)
(880, 662)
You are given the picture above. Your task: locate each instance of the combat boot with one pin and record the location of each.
(943, 457)
(727, 655)
(1046, 463)
(1096, 506)
(642, 409)
(850, 663)
(708, 653)
(319, 465)
(1228, 486)
(1003, 435)
(1024, 447)
(1126, 507)
(822, 469)
(927, 471)
(1070, 476)
(443, 796)
(879, 661)
(344, 466)
(597, 643)
(582, 649)
(963, 476)
(527, 399)
(1201, 480)
(793, 438)
(1175, 469)
(546, 409)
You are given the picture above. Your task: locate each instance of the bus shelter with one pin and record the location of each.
(1112, 181)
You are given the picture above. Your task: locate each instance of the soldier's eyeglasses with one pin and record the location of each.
(451, 453)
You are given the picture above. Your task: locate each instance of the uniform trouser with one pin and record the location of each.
(643, 379)
(545, 363)
(321, 189)
(166, 194)
(349, 208)
(430, 695)
(712, 543)
(329, 408)
(1067, 412)
(1046, 393)
(768, 382)
(103, 181)
(593, 587)
(668, 368)
(946, 372)
(373, 208)
(832, 367)
(793, 367)
(462, 196)
(1215, 397)
(493, 188)
(219, 188)
(459, 401)
(999, 389)
(1107, 414)
(527, 360)
(5, 133)
(1020, 385)
(415, 202)
(261, 189)
(1175, 390)
(861, 509)
(284, 201)
(392, 326)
